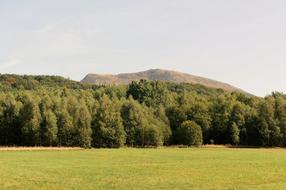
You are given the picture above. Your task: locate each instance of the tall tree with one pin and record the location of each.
(10, 132)
(107, 127)
(234, 132)
(83, 126)
(49, 128)
(30, 120)
(134, 122)
(66, 129)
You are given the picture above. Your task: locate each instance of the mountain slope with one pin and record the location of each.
(156, 74)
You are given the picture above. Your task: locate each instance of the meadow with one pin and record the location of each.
(128, 168)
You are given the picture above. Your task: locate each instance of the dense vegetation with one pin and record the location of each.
(53, 111)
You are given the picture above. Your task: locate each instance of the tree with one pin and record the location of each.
(49, 128)
(140, 90)
(270, 134)
(152, 93)
(30, 119)
(134, 122)
(234, 132)
(163, 123)
(220, 111)
(83, 126)
(107, 127)
(142, 127)
(153, 136)
(10, 133)
(199, 113)
(264, 133)
(66, 129)
(237, 114)
(280, 115)
(190, 134)
(176, 117)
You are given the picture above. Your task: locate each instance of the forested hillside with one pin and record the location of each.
(53, 111)
(28, 82)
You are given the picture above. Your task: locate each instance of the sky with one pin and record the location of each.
(240, 42)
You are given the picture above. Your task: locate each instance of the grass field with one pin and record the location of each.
(165, 168)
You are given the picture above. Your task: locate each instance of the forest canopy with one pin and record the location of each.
(54, 111)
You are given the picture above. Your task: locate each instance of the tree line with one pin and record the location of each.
(143, 113)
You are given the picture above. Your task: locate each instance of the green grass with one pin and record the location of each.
(165, 168)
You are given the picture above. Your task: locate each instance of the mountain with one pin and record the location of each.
(157, 74)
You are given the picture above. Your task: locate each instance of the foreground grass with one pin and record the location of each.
(166, 168)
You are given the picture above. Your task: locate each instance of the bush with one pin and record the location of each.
(190, 133)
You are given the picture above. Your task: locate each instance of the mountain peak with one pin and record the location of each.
(156, 74)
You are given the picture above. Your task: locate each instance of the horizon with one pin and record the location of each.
(241, 43)
(115, 74)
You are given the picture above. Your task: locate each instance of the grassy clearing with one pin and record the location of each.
(166, 168)
(39, 148)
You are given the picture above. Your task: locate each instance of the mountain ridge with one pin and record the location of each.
(156, 74)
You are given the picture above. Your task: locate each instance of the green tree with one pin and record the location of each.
(49, 128)
(140, 90)
(270, 134)
(234, 132)
(107, 127)
(190, 134)
(10, 132)
(153, 136)
(176, 117)
(142, 127)
(280, 115)
(221, 112)
(134, 122)
(66, 130)
(199, 113)
(83, 126)
(30, 119)
(163, 123)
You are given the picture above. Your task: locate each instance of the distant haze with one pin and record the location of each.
(240, 42)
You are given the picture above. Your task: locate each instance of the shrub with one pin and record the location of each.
(190, 133)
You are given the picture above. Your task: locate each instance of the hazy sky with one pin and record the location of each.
(241, 42)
